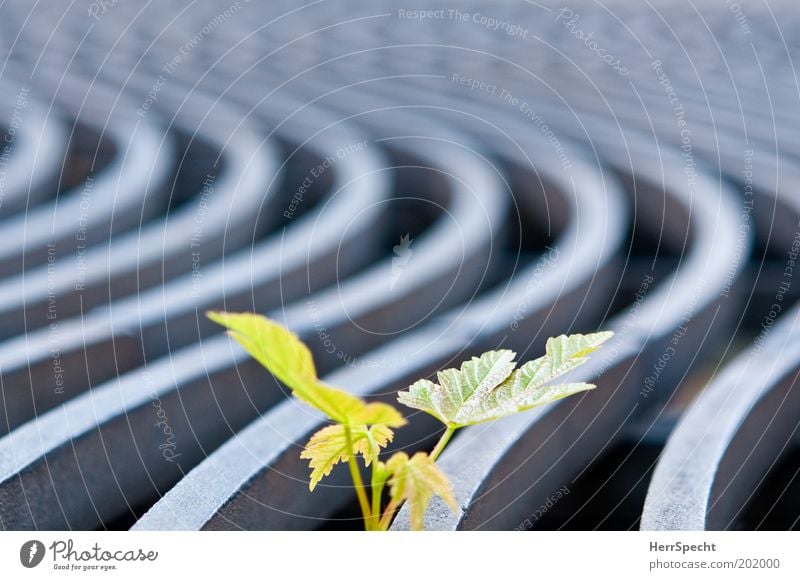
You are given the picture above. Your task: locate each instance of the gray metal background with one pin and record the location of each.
(555, 167)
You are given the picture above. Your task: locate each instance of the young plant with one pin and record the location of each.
(484, 389)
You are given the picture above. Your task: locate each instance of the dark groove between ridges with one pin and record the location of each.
(32, 154)
(310, 253)
(737, 429)
(501, 470)
(477, 206)
(239, 490)
(256, 481)
(224, 215)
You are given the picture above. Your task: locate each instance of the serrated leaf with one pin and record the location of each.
(417, 480)
(509, 401)
(523, 389)
(377, 414)
(526, 388)
(330, 446)
(459, 389)
(289, 360)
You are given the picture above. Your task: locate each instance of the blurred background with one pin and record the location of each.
(405, 185)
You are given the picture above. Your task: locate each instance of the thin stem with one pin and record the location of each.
(355, 473)
(442, 442)
(377, 485)
(377, 493)
(394, 505)
(386, 520)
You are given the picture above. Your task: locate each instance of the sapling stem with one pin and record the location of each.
(393, 506)
(377, 493)
(388, 515)
(377, 485)
(494, 386)
(443, 441)
(355, 473)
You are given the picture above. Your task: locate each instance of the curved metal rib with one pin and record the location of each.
(31, 155)
(225, 215)
(257, 481)
(730, 437)
(736, 429)
(205, 419)
(122, 195)
(150, 324)
(528, 452)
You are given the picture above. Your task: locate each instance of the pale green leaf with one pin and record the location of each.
(289, 360)
(525, 388)
(329, 446)
(377, 414)
(508, 400)
(416, 481)
(460, 389)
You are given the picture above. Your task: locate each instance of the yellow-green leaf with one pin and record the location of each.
(377, 414)
(289, 360)
(274, 346)
(330, 446)
(417, 480)
(474, 394)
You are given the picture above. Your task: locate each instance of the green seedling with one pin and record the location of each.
(484, 389)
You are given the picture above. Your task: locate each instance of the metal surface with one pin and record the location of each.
(403, 193)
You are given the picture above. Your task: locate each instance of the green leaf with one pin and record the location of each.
(376, 414)
(526, 388)
(417, 480)
(289, 360)
(275, 347)
(515, 397)
(459, 389)
(330, 445)
(473, 394)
